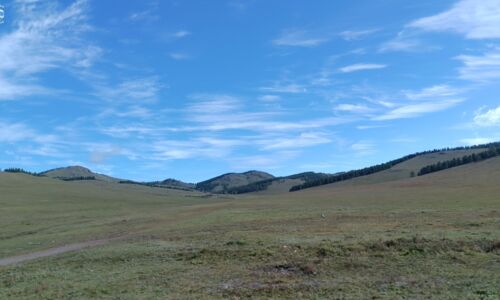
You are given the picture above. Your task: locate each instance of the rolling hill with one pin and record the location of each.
(167, 184)
(176, 184)
(264, 183)
(409, 168)
(394, 238)
(277, 184)
(401, 168)
(389, 239)
(226, 182)
(472, 183)
(76, 173)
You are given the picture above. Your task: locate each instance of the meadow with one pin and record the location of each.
(435, 236)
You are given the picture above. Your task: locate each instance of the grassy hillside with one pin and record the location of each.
(434, 236)
(223, 183)
(397, 169)
(76, 172)
(40, 212)
(277, 184)
(405, 169)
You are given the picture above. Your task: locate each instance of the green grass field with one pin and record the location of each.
(435, 236)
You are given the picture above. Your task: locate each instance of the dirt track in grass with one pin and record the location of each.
(53, 251)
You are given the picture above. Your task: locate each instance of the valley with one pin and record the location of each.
(386, 237)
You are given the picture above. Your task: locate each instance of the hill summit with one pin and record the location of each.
(174, 183)
(75, 173)
(225, 182)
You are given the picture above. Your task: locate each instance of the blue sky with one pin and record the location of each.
(191, 89)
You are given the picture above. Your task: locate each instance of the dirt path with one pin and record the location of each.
(192, 213)
(53, 251)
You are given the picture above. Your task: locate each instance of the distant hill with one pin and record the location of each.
(308, 176)
(413, 165)
(410, 167)
(284, 184)
(227, 182)
(277, 184)
(174, 183)
(473, 181)
(76, 173)
(167, 184)
(405, 167)
(238, 183)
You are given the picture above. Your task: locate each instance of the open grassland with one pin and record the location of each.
(435, 236)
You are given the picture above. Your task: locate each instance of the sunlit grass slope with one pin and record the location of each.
(405, 169)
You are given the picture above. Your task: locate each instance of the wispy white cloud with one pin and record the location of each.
(350, 35)
(220, 112)
(45, 150)
(99, 153)
(400, 45)
(290, 88)
(131, 130)
(186, 149)
(353, 108)
(475, 19)
(149, 14)
(258, 122)
(482, 68)
(181, 34)
(305, 139)
(134, 111)
(383, 101)
(222, 142)
(436, 91)
(213, 103)
(13, 89)
(365, 127)
(471, 18)
(89, 56)
(145, 15)
(363, 148)
(406, 41)
(179, 56)
(144, 89)
(402, 104)
(269, 161)
(43, 38)
(299, 38)
(269, 98)
(16, 132)
(415, 110)
(361, 67)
